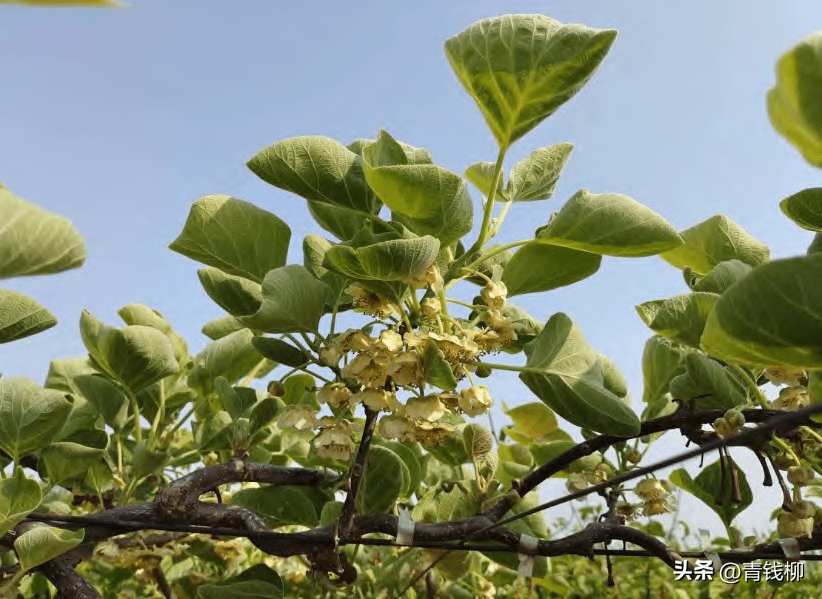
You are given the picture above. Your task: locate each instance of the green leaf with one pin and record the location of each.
(392, 260)
(279, 505)
(773, 316)
(426, 198)
(293, 302)
(220, 327)
(481, 174)
(299, 390)
(662, 360)
(539, 267)
(78, 377)
(520, 68)
(416, 469)
(34, 241)
(234, 236)
(534, 420)
(436, 369)
(317, 168)
(611, 224)
(236, 295)
(716, 240)
(231, 356)
(805, 208)
(343, 223)
(565, 373)
(235, 400)
(19, 496)
(707, 487)
(612, 378)
(722, 276)
(135, 355)
(383, 481)
(21, 316)
(793, 103)
(704, 376)
(143, 315)
(680, 318)
(42, 543)
(71, 457)
(30, 416)
(258, 582)
(816, 244)
(281, 352)
(535, 176)
(525, 326)
(413, 155)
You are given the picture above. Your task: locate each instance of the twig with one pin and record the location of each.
(356, 474)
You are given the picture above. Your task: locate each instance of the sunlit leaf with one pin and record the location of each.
(236, 295)
(805, 208)
(708, 383)
(42, 543)
(537, 267)
(34, 241)
(716, 240)
(772, 316)
(293, 301)
(21, 316)
(520, 68)
(707, 487)
(680, 318)
(611, 224)
(793, 103)
(234, 236)
(19, 496)
(30, 416)
(535, 176)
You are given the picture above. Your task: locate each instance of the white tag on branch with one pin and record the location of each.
(405, 528)
(705, 536)
(790, 547)
(526, 560)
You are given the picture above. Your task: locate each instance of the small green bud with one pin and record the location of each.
(276, 388)
(483, 371)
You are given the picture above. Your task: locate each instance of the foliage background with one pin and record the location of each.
(119, 119)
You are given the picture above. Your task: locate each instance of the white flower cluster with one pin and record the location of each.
(795, 395)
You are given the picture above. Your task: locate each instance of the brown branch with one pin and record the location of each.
(356, 474)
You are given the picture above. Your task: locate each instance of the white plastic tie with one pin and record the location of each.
(405, 528)
(705, 536)
(790, 547)
(526, 560)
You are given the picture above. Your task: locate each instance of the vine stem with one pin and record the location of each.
(489, 203)
(349, 508)
(753, 388)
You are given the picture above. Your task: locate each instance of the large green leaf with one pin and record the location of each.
(662, 360)
(19, 496)
(42, 543)
(535, 176)
(534, 420)
(680, 318)
(34, 241)
(772, 316)
(793, 103)
(70, 457)
(279, 505)
(136, 355)
(231, 356)
(805, 208)
(382, 482)
(30, 416)
(234, 236)
(565, 373)
(281, 352)
(520, 68)
(713, 241)
(236, 295)
(220, 327)
(539, 267)
(706, 377)
(317, 168)
(392, 260)
(437, 371)
(426, 198)
(413, 154)
(258, 582)
(21, 316)
(293, 302)
(722, 276)
(707, 487)
(341, 222)
(611, 224)
(79, 377)
(139, 314)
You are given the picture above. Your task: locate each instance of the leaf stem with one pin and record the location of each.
(135, 408)
(489, 204)
(158, 417)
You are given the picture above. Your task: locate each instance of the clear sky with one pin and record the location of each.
(119, 119)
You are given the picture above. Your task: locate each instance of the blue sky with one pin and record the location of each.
(119, 119)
